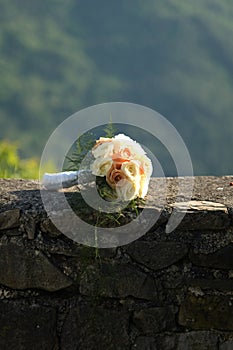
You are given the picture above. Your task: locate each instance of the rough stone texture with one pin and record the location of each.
(48, 227)
(9, 219)
(195, 340)
(167, 342)
(221, 285)
(27, 327)
(165, 291)
(118, 281)
(29, 224)
(155, 319)
(198, 341)
(228, 345)
(221, 259)
(145, 343)
(207, 312)
(95, 327)
(156, 255)
(202, 215)
(23, 268)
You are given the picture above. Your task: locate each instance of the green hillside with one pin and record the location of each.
(175, 56)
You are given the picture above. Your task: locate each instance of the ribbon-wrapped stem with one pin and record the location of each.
(57, 181)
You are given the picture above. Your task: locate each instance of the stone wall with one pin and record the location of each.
(164, 291)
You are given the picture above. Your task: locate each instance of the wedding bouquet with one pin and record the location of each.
(124, 164)
(120, 160)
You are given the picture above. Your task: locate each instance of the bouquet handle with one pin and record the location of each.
(56, 181)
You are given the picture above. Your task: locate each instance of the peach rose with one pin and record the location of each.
(114, 175)
(118, 159)
(126, 146)
(124, 153)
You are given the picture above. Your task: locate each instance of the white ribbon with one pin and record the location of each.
(57, 181)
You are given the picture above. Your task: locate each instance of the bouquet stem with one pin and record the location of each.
(56, 181)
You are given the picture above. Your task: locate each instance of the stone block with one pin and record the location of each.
(155, 255)
(221, 259)
(227, 345)
(207, 312)
(48, 227)
(27, 327)
(145, 343)
(90, 326)
(167, 341)
(197, 341)
(9, 219)
(22, 268)
(155, 319)
(200, 215)
(118, 281)
(222, 285)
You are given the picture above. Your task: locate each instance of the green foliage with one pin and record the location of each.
(83, 145)
(110, 130)
(11, 166)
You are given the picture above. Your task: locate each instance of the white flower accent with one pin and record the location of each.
(103, 149)
(144, 184)
(122, 142)
(131, 169)
(146, 166)
(101, 166)
(127, 190)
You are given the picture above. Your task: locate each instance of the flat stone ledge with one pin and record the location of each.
(202, 215)
(210, 207)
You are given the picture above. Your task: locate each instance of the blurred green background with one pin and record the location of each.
(174, 56)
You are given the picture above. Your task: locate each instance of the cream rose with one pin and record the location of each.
(101, 166)
(127, 190)
(144, 184)
(103, 148)
(127, 147)
(131, 169)
(146, 167)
